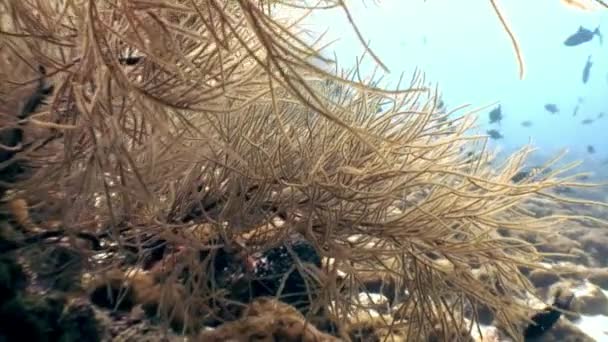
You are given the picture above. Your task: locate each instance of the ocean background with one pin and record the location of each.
(463, 49)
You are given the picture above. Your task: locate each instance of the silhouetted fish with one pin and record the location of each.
(531, 173)
(440, 105)
(575, 110)
(495, 115)
(583, 177)
(526, 123)
(494, 134)
(546, 319)
(130, 60)
(587, 69)
(551, 108)
(587, 121)
(590, 149)
(600, 115)
(563, 190)
(583, 35)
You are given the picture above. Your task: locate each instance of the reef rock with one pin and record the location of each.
(543, 278)
(590, 300)
(374, 301)
(267, 320)
(596, 244)
(599, 277)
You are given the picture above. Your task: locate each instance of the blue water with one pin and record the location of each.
(461, 46)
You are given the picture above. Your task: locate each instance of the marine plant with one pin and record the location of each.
(202, 129)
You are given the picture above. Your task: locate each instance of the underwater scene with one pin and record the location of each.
(304, 170)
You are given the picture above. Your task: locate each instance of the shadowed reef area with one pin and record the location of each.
(176, 167)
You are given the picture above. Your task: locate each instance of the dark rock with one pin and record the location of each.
(380, 283)
(272, 269)
(563, 331)
(79, 323)
(48, 318)
(12, 278)
(113, 293)
(546, 319)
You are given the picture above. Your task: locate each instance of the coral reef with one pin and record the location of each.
(187, 159)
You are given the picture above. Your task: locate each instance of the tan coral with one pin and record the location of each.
(267, 320)
(125, 290)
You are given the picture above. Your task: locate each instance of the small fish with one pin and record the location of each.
(600, 115)
(587, 69)
(563, 190)
(590, 149)
(587, 121)
(526, 123)
(494, 134)
(583, 35)
(524, 174)
(582, 178)
(130, 60)
(520, 176)
(575, 110)
(531, 173)
(551, 108)
(495, 115)
(440, 105)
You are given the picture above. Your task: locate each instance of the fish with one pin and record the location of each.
(600, 115)
(520, 176)
(575, 110)
(526, 123)
(551, 108)
(130, 60)
(587, 69)
(494, 134)
(590, 149)
(563, 190)
(583, 35)
(546, 319)
(440, 105)
(495, 115)
(584, 177)
(587, 121)
(532, 173)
